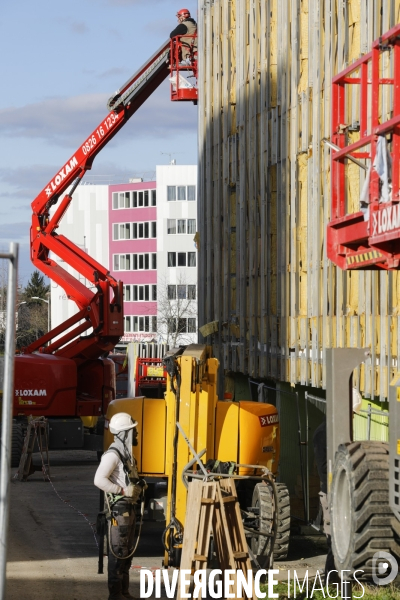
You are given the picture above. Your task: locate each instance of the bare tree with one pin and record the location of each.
(176, 311)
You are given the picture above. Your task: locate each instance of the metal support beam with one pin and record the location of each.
(340, 364)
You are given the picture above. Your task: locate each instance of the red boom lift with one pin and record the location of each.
(366, 102)
(64, 375)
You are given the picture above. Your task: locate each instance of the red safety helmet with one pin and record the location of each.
(184, 12)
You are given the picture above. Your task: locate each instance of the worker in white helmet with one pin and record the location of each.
(187, 28)
(118, 477)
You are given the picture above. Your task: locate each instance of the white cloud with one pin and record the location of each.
(69, 121)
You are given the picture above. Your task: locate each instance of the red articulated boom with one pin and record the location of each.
(366, 104)
(61, 374)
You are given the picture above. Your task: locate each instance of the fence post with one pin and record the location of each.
(6, 419)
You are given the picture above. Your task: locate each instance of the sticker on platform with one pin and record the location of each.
(155, 371)
(268, 449)
(266, 420)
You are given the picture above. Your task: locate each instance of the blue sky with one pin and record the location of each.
(60, 63)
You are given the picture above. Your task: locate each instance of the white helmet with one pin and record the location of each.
(121, 422)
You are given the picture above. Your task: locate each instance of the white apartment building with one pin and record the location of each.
(88, 223)
(177, 253)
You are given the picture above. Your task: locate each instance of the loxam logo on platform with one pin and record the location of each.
(30, 392)
(66, 170)
(269, 419)
(386, 219)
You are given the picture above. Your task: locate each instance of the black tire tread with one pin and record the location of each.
(17, 442)
(374, 526)
(281, 546)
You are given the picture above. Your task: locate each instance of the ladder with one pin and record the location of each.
(213, 510)
(35, 433)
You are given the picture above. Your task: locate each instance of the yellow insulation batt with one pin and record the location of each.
(264, 114)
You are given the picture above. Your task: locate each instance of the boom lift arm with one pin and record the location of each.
(98, 311)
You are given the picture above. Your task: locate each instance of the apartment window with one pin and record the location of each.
(171, 226)
(172, 292)
(184, 226)
(121, 200)
(140, 262)
(171, 193)
(191, 325)
(122, 231)
(142, 324)
(181, 259)
(181, 225)
(141, 293)
(171, 323)
(122, 262)
(181, 292)
(154, 203)
(154, 293)
(191, 226)
(127, 324)
(145, 262)
(191, 291)
(181, 192)
(182, 325)
(127, 293)
(144, 230)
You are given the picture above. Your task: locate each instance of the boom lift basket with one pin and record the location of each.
(366, 131)
(181, 87)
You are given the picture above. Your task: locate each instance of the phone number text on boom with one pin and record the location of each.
(100, 133)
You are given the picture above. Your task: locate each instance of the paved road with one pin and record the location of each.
(52, 549)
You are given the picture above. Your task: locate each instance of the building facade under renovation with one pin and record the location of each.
(271, 302)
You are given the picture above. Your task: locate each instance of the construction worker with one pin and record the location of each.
(117, 476)
(188, 28)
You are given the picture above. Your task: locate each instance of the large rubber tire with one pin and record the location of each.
(281, 547)
(264, 500)
(362, 521)
(17, 442)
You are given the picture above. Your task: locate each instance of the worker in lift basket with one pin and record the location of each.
(188, 28)
(117, 476)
